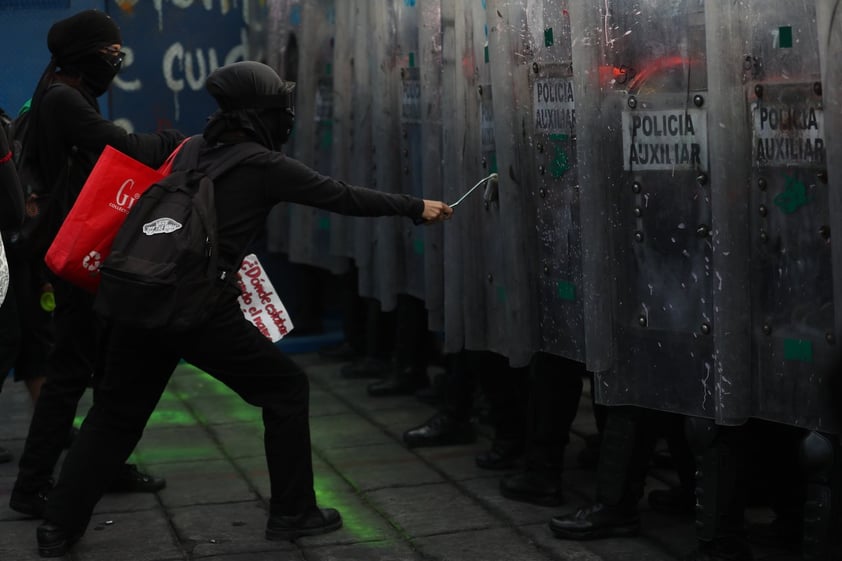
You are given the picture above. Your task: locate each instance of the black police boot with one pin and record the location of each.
(504, 454)
(402, 380)
(627, 445)
(442, 429)
(539, 487)
(597, 521)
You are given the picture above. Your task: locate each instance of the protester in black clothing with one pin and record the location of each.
(11, 216)
(253, 108)
(64, 137)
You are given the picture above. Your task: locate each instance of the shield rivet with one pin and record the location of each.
(632, 102)
(767, 329)
(831, 340)
(636, 188)
(638, 236)
(705, 328)
(641, 320)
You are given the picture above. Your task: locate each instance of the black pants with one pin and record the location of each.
(138, 365)
(69, 371)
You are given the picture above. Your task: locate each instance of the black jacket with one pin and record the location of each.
(246, 194)
(71, 129)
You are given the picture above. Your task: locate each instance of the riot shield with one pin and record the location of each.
(283, 26)
(647, 96)
(509, 47)
(360, 134)
(830, 42)
(384, 51)
(475, 285)
(342, 227)
(310, 227)
(430, 63)
(792, 280)
(553, 196)
(409, 120)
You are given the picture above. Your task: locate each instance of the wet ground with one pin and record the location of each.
(397, 503)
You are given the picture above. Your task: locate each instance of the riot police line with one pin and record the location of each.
(693, 273)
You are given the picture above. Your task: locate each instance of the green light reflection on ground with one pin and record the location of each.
(353, 520)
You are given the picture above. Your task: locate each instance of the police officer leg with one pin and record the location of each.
(627, 445)
(409, 370)
(555, 388)
(720, 490)
(819, 454)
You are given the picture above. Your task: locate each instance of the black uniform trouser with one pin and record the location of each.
(69, 371)
(138, 364)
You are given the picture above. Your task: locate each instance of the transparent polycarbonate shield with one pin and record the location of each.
(310, 227)
(475, 266)
(553, 196)
(792, 273)
(651, 85)
(360, 139)
(828, 18)
(409, 119)
(283, 27)
(509, 48)
(430, 63)
(342, 227)
(388, 263)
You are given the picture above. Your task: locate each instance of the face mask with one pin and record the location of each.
(98, 71)
(279, 123)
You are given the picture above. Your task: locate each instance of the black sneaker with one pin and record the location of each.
(30, 503)
(130, 480)
(311, 523)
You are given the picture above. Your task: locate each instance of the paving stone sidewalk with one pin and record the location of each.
(397, 504)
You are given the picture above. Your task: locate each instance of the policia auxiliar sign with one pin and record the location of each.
(671, 139)
(788, 133)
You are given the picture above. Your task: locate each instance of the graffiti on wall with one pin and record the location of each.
(171, 47)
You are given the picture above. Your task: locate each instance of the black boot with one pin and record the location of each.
(627, 445)
(542, 487)
(597, 521)
(55, 541)
(504, 454)
(30, 501)
(442, 429)
(403, 380)
(311, 523)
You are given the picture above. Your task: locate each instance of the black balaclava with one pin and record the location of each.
(75, 44)
(251, 98)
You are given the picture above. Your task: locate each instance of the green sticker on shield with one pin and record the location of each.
(566, 291)
(798, 349)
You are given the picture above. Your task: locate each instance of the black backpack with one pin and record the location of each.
(163, 269)
(41, 218)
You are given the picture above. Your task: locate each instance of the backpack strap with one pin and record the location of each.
(227, 158)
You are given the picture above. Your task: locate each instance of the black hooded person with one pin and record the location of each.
(254, 107)
(64, 136)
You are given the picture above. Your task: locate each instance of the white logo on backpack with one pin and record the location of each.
(161, 226)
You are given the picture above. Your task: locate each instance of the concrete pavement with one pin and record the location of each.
(397, 504)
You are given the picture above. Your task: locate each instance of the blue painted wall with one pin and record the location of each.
(23, 44)
(171, 48)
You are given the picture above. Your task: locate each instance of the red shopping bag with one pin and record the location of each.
(86, 235)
